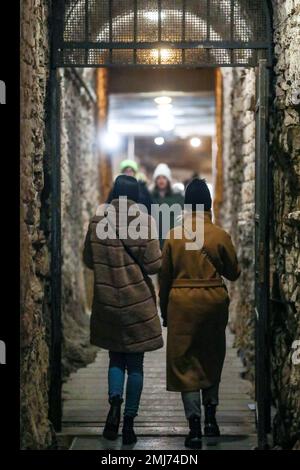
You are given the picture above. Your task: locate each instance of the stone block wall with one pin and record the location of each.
(35, 427)
(285, 153)
(79, 200)
(80, 196)
(237, 212)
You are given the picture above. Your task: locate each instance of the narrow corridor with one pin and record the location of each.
(196, 85)
(161, 422)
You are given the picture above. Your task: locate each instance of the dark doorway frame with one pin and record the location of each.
(264, 70)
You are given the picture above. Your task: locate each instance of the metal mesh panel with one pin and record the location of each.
(122, 56)
(196, 25)
(171, 20)
(74, 27)
(98, 13)
(147, 57)
(220, 20)
(122, 20)
(170, 56)
(147, 20)
(253, 27)
(161, 32)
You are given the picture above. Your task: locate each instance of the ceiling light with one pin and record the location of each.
(164, 107)
(166, 124)
(195, 142)
(165, 54)
(159, 140)
(153, 15)
(110, 141)
(163, 100)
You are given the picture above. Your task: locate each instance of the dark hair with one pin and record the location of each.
(197, 192)
(126, 186)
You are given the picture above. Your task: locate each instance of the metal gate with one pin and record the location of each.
(97, 33)
(166, 33)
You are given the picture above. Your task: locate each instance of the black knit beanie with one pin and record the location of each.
(197, 192)
(126, 186)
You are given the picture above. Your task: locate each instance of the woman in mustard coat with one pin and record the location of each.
(194, 305)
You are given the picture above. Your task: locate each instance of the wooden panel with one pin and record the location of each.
(105, 166)
(218, 164)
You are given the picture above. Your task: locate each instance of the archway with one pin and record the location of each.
(163, 32)
(167, 33)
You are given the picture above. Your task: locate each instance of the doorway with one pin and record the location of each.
(166, 34)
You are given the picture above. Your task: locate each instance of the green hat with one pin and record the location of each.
(129, 164)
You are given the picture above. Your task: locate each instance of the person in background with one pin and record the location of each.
(178, 188)
(124, 317)
(130, 168)
(163, 193)
(194, 306)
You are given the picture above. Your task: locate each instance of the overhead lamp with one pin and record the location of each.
(163, 100)
(159, 140)
(195, 142)
(166, 124)
(153, 15)
(110, 141)
(164, 107)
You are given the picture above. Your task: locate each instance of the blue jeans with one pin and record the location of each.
(118, 363)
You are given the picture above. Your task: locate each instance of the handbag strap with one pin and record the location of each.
(209, 257)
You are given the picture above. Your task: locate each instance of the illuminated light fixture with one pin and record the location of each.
(159, 140)
(195, 142)
(166, 124)
(153, 15)
(166, 55)
(164, 107)
(110, 141)
(163, 100)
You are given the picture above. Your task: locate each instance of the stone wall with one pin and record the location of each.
(285, 152)
(237, 213)
(35, 427)
(80, 197)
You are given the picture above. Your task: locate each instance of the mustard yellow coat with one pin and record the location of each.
(194, 304)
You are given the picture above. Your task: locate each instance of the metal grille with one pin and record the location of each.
(95, 33)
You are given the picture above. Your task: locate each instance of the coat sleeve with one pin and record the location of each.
(152, 257)
(87, 250)
(231, 269)
(165, 280)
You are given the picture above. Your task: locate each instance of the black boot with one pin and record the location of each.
(129, 436)
(193, 440)
(211, 428)
(112, 424)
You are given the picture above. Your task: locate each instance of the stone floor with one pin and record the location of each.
(163, 443)
(161, 422)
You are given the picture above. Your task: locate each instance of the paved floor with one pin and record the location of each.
(163, 443)
(161, 419)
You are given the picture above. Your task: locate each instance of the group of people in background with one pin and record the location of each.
(162, 190)
(193, 301)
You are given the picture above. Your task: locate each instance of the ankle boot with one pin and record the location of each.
(193, 440)
(128, 433)
(112, 424)
(211, 428)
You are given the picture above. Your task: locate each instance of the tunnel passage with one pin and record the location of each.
(87, 35)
